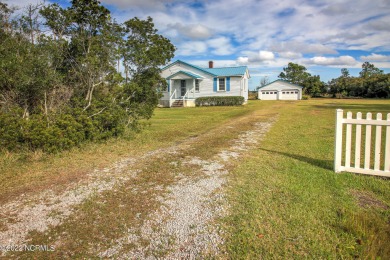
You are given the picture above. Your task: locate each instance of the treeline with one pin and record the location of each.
(60, 80)
(371, 82)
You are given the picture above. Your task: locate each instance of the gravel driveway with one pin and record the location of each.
(184, 226)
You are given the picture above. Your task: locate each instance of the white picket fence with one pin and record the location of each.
(358, 122)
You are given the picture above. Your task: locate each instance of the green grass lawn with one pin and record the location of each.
(288, 202)
(35, 171)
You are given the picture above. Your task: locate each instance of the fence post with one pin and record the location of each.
(378, 142)
(358, 141)
(387, 147)
(338, 140)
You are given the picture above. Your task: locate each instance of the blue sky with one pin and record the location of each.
(265, 35)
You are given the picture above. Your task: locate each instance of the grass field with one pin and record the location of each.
(286, 201)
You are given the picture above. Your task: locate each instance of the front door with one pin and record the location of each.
(183, 88)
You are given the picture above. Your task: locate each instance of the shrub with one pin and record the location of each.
(305, 97)
(220, 101)
(253, 95)
(60, 131)
(10, 130)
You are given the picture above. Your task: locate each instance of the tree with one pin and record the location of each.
(5, 21)
(143, 52)
(372, 79)
(369, 70)
(313, 86)
(67, 82)
(264, 81)
(372, 82)
(295, 74)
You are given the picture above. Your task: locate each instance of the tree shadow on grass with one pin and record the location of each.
(324, 164)
(374, 108)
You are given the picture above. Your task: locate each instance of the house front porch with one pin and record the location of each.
(182, 88)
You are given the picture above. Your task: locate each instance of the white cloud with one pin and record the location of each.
(147, 4)
(256, 57)
(243, 60)
(266, 55)
(217, 63)
(290, 55)
(332, 61)
(301, 47)
(220, 46)
(192, 48)
(335, 9)
(375, 57)
(381, 24)
(192, 31)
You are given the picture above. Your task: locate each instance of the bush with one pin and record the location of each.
(60, 131)
(10, 130)
(253, 95)
(220, 101)
(305, 97)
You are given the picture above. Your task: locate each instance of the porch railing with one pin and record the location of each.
(172, 97)
(185, 95)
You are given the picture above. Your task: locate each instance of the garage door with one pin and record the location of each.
(289, 95)
(269, 95)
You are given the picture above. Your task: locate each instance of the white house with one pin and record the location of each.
(280, 90)
(186, 82)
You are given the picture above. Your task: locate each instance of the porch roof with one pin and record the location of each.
(190, 74)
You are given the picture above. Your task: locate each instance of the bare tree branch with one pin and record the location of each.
(101, 111)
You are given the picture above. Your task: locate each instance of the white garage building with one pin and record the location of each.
(280, 90)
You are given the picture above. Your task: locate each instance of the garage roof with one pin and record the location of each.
(283, 81)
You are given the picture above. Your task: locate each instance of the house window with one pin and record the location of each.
(197, 85)
(221, 84)
(266, 92)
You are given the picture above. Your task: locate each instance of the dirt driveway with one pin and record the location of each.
(166, 203)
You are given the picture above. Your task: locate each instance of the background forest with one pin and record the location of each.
(371, 82)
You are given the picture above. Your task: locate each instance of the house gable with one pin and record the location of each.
(184, 74)
(191, 67)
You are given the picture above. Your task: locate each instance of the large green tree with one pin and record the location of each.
(68, 82)
(294, 73)
(297, 74)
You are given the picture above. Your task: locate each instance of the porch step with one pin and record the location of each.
(177, 103)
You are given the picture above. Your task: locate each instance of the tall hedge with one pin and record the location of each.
(220, 101)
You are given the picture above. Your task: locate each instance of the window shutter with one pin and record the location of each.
(169, 83)
(215, 84)
(228, 84)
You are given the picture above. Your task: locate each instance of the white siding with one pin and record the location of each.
(238, 84)
(280, 87)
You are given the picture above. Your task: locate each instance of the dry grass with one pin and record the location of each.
(286, 200)
(97, 223)
(24, 173)
(288, 203)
